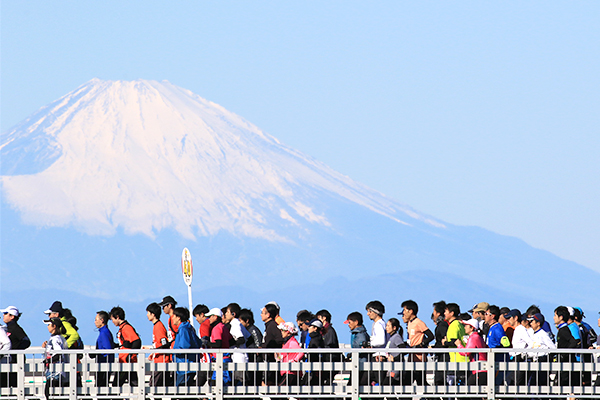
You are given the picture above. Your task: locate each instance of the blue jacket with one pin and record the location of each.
(358, 336)
(105, 341)
(186, 339)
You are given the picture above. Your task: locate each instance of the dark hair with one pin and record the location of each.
(577, 315)
(247, 315)
(440, 307)
(117, 313)
(326, 314)
(533, 309)
(182, 312)
(396, 324)
(410, 305)
(376, 305)
(271, 310)
(562, 312)
(234, 309)
(70, 318)
(103, 315)
(200, 309)
(463, 317)
(454, 309)
(304, 316)
(355, 316)
(154, 308)
(58, 324)
(494, 311)
(504, 310)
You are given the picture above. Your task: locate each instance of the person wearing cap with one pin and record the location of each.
(56, 310)
(18, 341)
(588, 336)
(288, 332)
(168, 304)
(540, 340)
(478, 312)
(473, 341)
(419, 336)
(272, 339)
(220, 337)
(53, 348)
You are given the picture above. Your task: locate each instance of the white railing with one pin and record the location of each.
(356, 374)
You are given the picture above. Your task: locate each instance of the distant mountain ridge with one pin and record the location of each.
(102, 188)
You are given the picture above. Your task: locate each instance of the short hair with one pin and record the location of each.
(272, 310)
(246, 315)
(117, 313)
(377, 306)
(454, 309)
(504, 310)
(304, 315)
(464, 317)
(234, 309)
(410, 305)
(563, 312)
(440, 307)
(355, 316)
(200, 309)
(324, 313)
(533, 309)
(103, 315)
(154, 308)
(182, 312)
(494, 311)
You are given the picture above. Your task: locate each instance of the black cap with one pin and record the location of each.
(167, 300)
(55, 307)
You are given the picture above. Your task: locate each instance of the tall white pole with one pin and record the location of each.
(188, 272)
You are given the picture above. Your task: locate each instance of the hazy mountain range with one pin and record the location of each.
(102, 189)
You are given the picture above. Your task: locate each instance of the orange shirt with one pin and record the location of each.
(416, 331)
(127, 334)
(172, 332)
(159, 341)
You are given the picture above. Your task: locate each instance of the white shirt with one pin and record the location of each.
(379, 336)
(4, 342)
(541, 340)
(521, 339)
(237, 331)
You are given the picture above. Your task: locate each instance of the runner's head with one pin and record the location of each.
(153, 312)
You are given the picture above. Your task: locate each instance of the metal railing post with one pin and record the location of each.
(355, 376)
(141, 373)
(219, 377)
(72, 376)
(20, 376)
(491, 375)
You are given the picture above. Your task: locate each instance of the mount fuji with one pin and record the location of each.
(102, 188)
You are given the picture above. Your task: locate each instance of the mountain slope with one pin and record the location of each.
(102, 189)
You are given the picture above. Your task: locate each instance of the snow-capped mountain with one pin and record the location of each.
(102, 188)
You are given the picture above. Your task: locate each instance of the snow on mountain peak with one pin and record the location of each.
(144, 156)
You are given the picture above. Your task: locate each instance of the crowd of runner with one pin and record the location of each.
(233, 327)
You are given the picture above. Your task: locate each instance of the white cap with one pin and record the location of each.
(275, 304)
(12, 310)
(214, 311)
(473, 322)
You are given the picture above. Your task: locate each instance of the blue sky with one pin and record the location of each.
(478, 113)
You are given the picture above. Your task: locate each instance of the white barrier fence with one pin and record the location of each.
(330, 373)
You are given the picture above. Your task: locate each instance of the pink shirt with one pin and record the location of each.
(291, 357)
(474, 342)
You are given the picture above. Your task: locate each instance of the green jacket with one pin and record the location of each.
(72, 335)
